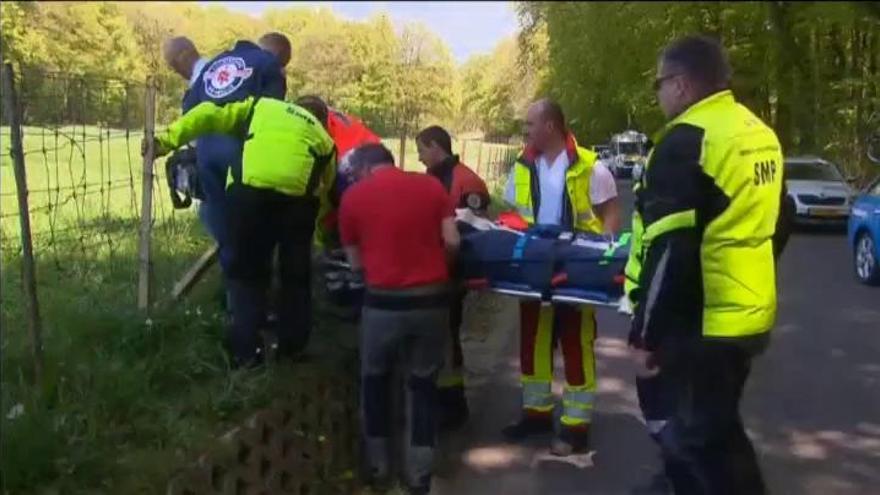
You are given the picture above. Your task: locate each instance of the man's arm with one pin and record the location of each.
(603, 197)
(609, 213)
(325, 197)
(349, 235)
(451, 237)
(783, 223)
(205, 118)
(678, 200)
(633, 264)
(324, 150)
(510, 189)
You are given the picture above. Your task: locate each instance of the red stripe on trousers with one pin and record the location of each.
(569, 318)
(529, 311)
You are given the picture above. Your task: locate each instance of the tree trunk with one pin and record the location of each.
(805, 61)
(784, 72)
(401, 156)
(855, 94)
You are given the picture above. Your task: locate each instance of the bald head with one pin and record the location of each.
(181, 55)
(545, 124)
(278, 45)
(551, 112)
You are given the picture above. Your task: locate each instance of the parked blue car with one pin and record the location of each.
(864, 234)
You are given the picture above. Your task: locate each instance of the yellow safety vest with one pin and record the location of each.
(286, 149)
(744, 158)
(576, 205)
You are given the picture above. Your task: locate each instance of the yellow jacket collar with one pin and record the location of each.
(721, 97)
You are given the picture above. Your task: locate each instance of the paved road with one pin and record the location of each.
(812, 404)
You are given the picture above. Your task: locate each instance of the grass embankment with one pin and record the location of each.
(124, 400)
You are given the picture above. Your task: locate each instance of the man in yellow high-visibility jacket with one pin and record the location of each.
(707, 208)
(556, 182)
(288, 167)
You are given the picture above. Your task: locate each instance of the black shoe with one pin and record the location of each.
(658, 485)
(528, 426)
(418, 490)
(571, 441)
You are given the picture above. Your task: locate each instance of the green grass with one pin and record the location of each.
(124, 401)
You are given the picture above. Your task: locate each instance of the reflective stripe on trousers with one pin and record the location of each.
(537, 396)
(577, 406)
(575, 333)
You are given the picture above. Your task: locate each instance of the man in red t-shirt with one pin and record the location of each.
(398, 228)
(466, 190)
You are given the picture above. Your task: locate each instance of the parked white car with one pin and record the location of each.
(817, 190)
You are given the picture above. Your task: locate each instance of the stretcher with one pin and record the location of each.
(564, 297)
(540, 263)
(549, 266)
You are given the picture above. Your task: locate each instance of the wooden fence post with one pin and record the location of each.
(145, 268)
(401, 160)
(28, 264)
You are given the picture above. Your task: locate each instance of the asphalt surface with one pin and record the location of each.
(812, 403)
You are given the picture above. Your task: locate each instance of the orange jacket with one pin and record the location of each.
(466, 189)
(348, 132)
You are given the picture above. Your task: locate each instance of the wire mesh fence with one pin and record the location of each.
(81, 145)
(72, 220)
(78, 152)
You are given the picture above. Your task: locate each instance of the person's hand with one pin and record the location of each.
(647, 363)
(158, 149)
(625, 306)
(646, 360)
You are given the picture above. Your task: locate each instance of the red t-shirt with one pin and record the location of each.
(394, 218)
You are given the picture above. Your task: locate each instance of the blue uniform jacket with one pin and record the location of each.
(245, 70)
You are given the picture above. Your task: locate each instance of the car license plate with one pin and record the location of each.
(827, 212)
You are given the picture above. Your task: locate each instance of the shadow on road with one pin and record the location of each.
(812, 402)
(477, 460)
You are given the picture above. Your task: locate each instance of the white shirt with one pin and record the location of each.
(552, 182)
(197, 71)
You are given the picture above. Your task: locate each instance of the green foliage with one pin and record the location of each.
(396, 78)
(810, 69)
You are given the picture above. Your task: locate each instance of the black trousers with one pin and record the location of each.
(259, 221)
(704, 443)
